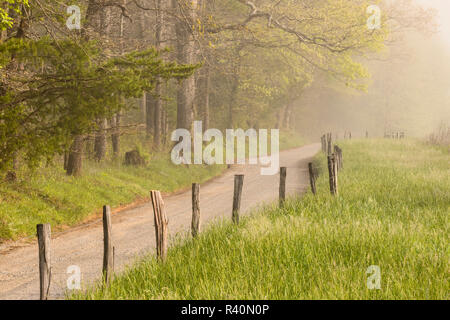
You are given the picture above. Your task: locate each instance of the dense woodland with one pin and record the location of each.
(142, 68)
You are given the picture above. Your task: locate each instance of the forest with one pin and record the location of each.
(75, 81)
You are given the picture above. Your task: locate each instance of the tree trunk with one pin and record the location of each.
(233, 99)
(92, 21)
(115, 137)
(66, 160)
(150, 114)
(74, 162)
(185, 55)
(287, 116)
(100, 140)
(203, 96)
(164, 124)
(280, 117)
(158, 88)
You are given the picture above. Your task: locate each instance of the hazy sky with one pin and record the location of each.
(443, 7)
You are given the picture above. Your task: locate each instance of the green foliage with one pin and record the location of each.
(6, 21)
(392, 211)
(274, 59)
(65, 87)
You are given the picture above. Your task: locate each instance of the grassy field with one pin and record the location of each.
(392, 212)
(49, 196)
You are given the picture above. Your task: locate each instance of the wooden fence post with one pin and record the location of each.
(336, 154)
(312, 178)
(329, 141)
(282, 193)
(43, 234)
(161, 222)
(335, 174)
(367, 134)
(108, 250)
(238, 184)
(332, 174)
(338, 157)
(195, 226)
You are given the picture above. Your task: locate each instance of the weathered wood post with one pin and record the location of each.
(331, 173)
(324, 140)
(238, 184)
(161, 222)
(335, 174)
(108, 253)
(338, 157)
(312, 178)
(195, 226)
(367, 134)
(43, 234)
(282, 191)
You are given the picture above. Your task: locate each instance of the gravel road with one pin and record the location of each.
(133, 230)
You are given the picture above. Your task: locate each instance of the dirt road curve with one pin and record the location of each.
(133, 230)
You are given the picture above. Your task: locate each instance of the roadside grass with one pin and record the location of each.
(392, 212)
(53, 197)
(48, 195)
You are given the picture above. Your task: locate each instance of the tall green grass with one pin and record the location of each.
(392, 211)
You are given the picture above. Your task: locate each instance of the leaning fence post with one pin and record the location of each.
(43, 234)
(312, 178)
(282, 193)
(161, 222)
(108, 250)
(195, 226)
(238, 183)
